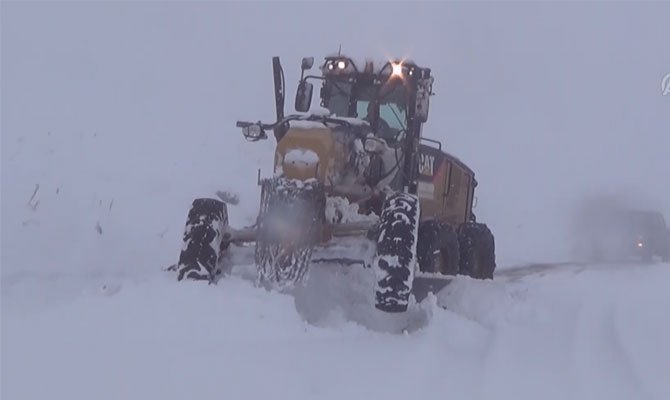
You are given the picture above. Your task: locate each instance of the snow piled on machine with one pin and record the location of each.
(303, 156)
(341, 210)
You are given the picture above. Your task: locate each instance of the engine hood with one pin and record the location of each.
(305, 153)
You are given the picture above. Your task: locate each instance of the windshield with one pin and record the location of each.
(392, 102)
(391, 113)
(646, 222)
(338, 101)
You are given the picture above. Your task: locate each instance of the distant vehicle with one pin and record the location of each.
(622, 235)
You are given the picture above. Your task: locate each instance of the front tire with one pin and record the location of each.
(395, 256)
(203, 240)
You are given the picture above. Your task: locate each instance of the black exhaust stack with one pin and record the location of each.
(280, 95)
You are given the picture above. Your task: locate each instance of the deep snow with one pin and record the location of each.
(566, 333)
(116, 116)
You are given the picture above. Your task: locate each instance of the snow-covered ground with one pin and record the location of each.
(114, 117)
(567, 333)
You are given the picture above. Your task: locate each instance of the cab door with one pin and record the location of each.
(458, 196)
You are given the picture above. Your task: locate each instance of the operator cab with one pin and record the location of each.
(378, 94)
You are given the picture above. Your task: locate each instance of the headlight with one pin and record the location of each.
(373, 145)
(397, 69)
(341, 64)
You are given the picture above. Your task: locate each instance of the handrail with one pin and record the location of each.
(439, 144)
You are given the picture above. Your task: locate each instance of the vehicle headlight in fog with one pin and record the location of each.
(397, 69)
(640, 244)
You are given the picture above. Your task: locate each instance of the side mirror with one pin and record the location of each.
(303, 97)
(307, 63)
(373, 144)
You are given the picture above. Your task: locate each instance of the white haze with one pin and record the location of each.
(546, 102)
(115, 115)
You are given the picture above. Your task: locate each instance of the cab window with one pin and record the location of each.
(394, 115)
(338, 101)
(389, 112)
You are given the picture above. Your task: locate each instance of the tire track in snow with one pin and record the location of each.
(603, 369)
(530, 350)
(519, 273)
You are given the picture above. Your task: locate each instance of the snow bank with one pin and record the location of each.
(565, 334)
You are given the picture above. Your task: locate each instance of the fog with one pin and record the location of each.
(548, 103)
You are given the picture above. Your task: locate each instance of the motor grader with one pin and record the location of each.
(357, 166)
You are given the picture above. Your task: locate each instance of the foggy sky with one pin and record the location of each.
(546, 102)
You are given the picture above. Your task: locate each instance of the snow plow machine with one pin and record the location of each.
(357, 167)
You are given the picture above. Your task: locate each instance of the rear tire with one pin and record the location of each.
(438, 249)
(202, 242)
(395, 256)
(477, 246)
